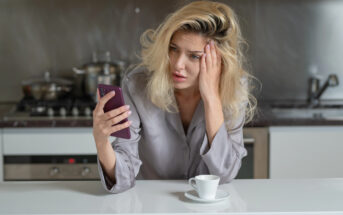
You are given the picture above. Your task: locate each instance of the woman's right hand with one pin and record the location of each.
(103, 122)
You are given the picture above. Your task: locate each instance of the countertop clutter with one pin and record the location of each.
(263, 118)
(263, 196)
(11, 119)
(88, 122)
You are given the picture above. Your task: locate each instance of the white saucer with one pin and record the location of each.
(220, 196)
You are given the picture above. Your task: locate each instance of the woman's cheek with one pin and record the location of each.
(195, 76)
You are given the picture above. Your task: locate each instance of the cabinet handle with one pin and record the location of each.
(85, 171)
(54, 171)
(249, 140)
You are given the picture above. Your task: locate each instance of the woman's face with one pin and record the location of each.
(185, 51)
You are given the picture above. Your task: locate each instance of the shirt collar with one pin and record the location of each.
(174, 119)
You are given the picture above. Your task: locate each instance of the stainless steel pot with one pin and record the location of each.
(46, 88)
(92, 74)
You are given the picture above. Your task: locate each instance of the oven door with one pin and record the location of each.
(63, 153)
(56, 167)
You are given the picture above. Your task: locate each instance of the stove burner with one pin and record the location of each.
(64, 107)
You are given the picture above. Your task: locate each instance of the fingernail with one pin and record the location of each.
(212, 42)
(112, 92)
(127, 107)
(129, 113)
(208, 46)
(205, 55)
(130, 122)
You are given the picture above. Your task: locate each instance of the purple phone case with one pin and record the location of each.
(115, 102)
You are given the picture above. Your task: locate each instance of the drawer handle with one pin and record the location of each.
(249, 140)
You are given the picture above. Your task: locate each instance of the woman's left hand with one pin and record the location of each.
(210, 70)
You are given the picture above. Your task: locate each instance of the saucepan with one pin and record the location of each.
(47, 88)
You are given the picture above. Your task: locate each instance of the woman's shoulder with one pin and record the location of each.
(134, 85)
(134, 74)
(135, 79)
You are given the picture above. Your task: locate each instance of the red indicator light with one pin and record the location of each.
(71, 160)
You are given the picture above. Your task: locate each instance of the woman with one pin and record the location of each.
(187, 103)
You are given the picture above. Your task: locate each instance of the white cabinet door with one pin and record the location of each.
(306, 152)
(48, 141)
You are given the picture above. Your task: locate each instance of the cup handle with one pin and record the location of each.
(191, 182)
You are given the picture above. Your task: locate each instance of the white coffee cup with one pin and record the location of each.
(205, 185)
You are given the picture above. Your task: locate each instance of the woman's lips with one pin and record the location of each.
(178, 78)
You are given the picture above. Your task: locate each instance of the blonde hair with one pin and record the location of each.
(212, 20)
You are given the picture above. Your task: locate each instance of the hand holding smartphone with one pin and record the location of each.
(115, 102)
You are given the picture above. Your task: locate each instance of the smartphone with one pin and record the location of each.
(115, 102)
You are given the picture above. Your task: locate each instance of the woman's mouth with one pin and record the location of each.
(178, 77)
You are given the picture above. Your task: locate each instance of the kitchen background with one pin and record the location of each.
(289, 41)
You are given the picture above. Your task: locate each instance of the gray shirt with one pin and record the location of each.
(160, 149)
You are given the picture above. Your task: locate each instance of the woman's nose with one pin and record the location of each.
(180, 62)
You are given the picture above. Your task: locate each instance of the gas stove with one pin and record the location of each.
(64, 108)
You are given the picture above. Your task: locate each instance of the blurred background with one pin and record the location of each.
(289, 41)
(54, 52)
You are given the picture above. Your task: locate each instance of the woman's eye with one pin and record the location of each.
(171, 48)
(195, 57)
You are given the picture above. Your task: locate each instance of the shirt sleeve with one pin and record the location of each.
(126, 151)
(224, 156)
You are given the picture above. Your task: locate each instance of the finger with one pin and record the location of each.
(213, 53)
(115, 112)
(97, 94)
(208, 57)
(98, 98)
(118, 118)
(97, 112)
(120, 127)
(203, 63)
(105, 99)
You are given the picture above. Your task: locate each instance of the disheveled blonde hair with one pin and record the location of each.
(212, 20)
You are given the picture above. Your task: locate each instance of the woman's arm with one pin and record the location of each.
(214, 117)
(119, 163)
(209, 78)
(107, 159)
(103, 125)
(221, 151)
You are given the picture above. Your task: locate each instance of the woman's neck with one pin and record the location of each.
(187, 94)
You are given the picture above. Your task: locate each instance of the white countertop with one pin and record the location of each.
(253, 196)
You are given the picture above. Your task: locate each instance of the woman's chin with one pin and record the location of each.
(183, 86)
(180, 86)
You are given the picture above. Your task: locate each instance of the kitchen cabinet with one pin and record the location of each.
(306, 152)
(255, 164)
(62, 153)
(42, 141)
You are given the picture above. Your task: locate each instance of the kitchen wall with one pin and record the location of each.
(55, 35)
(288, 39)
(295, 40)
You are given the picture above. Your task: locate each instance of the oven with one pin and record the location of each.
(52, 167)
(66, 153)
(255, 164)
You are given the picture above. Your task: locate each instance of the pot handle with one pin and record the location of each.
(78, 71)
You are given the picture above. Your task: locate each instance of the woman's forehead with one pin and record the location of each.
(189, 40)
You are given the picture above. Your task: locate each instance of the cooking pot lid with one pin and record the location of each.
(47, 79)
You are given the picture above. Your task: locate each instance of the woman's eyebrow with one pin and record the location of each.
(200, 52)
(173, 44)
